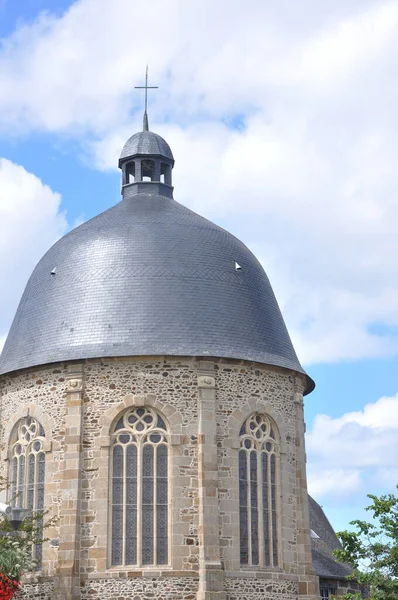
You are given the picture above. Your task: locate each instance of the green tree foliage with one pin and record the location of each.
(16, 547)
(372, 549)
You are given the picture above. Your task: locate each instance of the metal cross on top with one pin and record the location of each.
(146, 87)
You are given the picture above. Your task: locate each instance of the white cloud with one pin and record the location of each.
(309, 176)
(334, 483)
(350, 46)
(345, 451)
(79, 70)
(386, 478)
(30, 221)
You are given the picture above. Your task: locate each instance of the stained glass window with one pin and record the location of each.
(27, 469)
(140, 489)
(258, 492)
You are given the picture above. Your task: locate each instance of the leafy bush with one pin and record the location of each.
(15, 559)
(372, 550)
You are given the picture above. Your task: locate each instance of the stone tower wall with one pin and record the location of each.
(204, 403)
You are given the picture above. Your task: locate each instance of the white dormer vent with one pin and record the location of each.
(54, 271)
(314, 535)
(237, 267)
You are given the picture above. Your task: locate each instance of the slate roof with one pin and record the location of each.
(146, 142)
(148, 277)
(323, 561)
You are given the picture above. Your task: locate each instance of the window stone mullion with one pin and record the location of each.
(260, 524)
(139, 503)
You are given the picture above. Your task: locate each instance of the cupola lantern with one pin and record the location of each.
(146, 158)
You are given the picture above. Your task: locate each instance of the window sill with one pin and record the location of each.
(37, 577)
(258, 572)
(135, 572)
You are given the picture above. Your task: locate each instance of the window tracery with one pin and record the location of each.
(139, 489)
(258, 492)
(27, 468)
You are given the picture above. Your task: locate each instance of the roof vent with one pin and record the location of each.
(237, 267)
(54, 271)
(314, 535)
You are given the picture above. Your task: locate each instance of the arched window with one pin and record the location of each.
(139, 489)
(258, 492)
(27, 468)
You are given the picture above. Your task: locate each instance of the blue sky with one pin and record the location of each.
(284, 128)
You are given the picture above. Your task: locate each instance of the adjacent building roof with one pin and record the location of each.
(323, 562)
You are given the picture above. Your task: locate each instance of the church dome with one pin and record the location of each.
(148, 277)
(146, 142)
